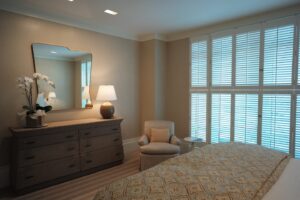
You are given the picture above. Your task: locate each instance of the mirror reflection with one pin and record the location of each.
(71, 73)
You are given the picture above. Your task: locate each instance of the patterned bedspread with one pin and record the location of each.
(231, 171)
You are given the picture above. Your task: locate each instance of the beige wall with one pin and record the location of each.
(115, 61)
(177, 84)
(152, 80)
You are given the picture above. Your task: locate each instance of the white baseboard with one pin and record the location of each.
(4, 176)
(129, 145)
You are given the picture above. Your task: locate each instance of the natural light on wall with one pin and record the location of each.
(244, 85)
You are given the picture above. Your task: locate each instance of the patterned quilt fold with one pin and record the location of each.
(231, 171)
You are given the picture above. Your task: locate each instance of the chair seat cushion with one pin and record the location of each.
(160, 148)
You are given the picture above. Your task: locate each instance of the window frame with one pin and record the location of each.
(260, 89)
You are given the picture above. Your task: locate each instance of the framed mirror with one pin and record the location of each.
(69, 70)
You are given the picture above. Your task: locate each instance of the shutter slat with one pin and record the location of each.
(246, 117)
(198, 115)
(247, 58)
(276, 121)
(297, 133)
(222, 61)
(199, 63)
(278, 55)
(220, 118)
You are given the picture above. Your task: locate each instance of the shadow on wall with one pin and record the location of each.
(4, 148)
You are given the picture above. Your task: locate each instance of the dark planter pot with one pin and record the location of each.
(35, 123)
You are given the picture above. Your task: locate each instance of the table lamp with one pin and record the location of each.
(106, 93)
(86, 96)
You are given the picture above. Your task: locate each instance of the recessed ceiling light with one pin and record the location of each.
(53, 52)
(111, 12)
(71, 0)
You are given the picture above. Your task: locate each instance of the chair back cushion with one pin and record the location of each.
(158, 124)
(160, 135)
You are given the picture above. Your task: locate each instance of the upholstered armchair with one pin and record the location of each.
(158, 143)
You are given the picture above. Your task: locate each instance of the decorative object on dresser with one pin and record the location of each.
(63, 150)
(35, 110)
(106, 93)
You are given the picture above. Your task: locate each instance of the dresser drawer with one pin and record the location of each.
(94, 143)
(49, 137)
(35, 174)
(36, 155)
(98, 131)
(100, 157)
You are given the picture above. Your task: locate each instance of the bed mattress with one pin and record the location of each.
(231, 171)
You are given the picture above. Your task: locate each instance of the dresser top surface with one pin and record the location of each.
(66, 124)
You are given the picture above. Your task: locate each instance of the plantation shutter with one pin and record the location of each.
(221, 61)
(278, 55)
(246, 118)
(220, 118)
(297, 133)
(276, 121)
(199, 63)
(198, 115)
(247, 58)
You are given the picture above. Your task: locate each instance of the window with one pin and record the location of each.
(199, 63)
(198, 115)
(297, 135)
(278, 55)
(220, 118)
(247, 58)
(246, 118)
(243, 88)
(276, 122)
(222, 60)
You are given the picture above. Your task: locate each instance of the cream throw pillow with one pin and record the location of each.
(160, 135)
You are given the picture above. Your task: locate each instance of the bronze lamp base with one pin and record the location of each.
(107, 111)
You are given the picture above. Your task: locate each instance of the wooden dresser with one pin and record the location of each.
(62, 151)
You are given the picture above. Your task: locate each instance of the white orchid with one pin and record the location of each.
(45, 78)
(26, 84)
(51, 83)
(37, 75)
(28, 79)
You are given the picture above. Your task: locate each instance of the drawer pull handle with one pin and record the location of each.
(88, 145)
(30, 142)
(29, 177)
(115, 129)
(87, 133)
(88, 161)
(69, 136)
(71, 148)
(30, 157)
(71, 166)
(117, 139)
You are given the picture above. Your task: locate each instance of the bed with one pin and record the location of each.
(232, 171)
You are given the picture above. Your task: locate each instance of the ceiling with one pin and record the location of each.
(138, 19)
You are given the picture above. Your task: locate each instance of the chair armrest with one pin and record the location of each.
(143, 140)
(175, 140)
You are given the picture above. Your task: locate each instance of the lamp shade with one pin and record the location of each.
(106, 93)
(86, 92)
